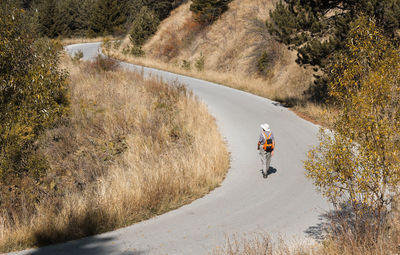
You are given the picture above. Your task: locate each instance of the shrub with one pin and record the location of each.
(186, 65)
(117, 44)
(33, 98)
(77, 56)
(126, 50)
(200, 62)
(137, 51)
(107, 43)
(266, 62)
(32, 92)
(359, 162)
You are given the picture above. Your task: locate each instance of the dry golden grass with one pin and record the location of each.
(262, 244)
(69, 41)
(131, 149)
(228, 45)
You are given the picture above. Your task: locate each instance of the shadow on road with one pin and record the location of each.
(317, 232)
(328, 220)
(86, 246)
(271, 170)
(344, 221)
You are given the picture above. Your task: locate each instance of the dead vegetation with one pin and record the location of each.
(131, 149)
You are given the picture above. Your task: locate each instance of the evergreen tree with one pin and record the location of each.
(25, 4)
(162, 8)
(92, 17)
(319, 28)
(208, 11)
(47, 18)
(107, 17)
(73, 17)
(144, 25)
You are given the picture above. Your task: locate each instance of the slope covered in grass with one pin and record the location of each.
(236, 51)
(130, 149)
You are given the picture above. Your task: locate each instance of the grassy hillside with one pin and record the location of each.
(228, 52)
(130, 149)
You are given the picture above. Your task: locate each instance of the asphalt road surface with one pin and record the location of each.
(284, 204)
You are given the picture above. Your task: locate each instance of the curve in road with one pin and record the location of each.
(285, 203)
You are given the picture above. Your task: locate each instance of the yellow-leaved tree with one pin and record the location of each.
(358, 162)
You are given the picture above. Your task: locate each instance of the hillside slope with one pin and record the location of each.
(130, 149)
(228, 52)
(232, 45)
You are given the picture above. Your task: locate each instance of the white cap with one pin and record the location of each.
(265, 126)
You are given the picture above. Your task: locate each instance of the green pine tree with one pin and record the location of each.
(47, 18)
(73, 17)
(144, 25)
(317, 29)
(162, 8)
(107, 17)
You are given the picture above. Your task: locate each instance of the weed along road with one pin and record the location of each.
(284, 204)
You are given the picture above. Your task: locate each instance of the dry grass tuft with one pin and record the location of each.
(132, 148)
(262, 244)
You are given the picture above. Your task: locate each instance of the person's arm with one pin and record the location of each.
(260, 141)
(273, 141)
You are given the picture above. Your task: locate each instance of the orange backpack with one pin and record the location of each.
(269, 143)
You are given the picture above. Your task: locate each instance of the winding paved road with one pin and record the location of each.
(285, 203)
